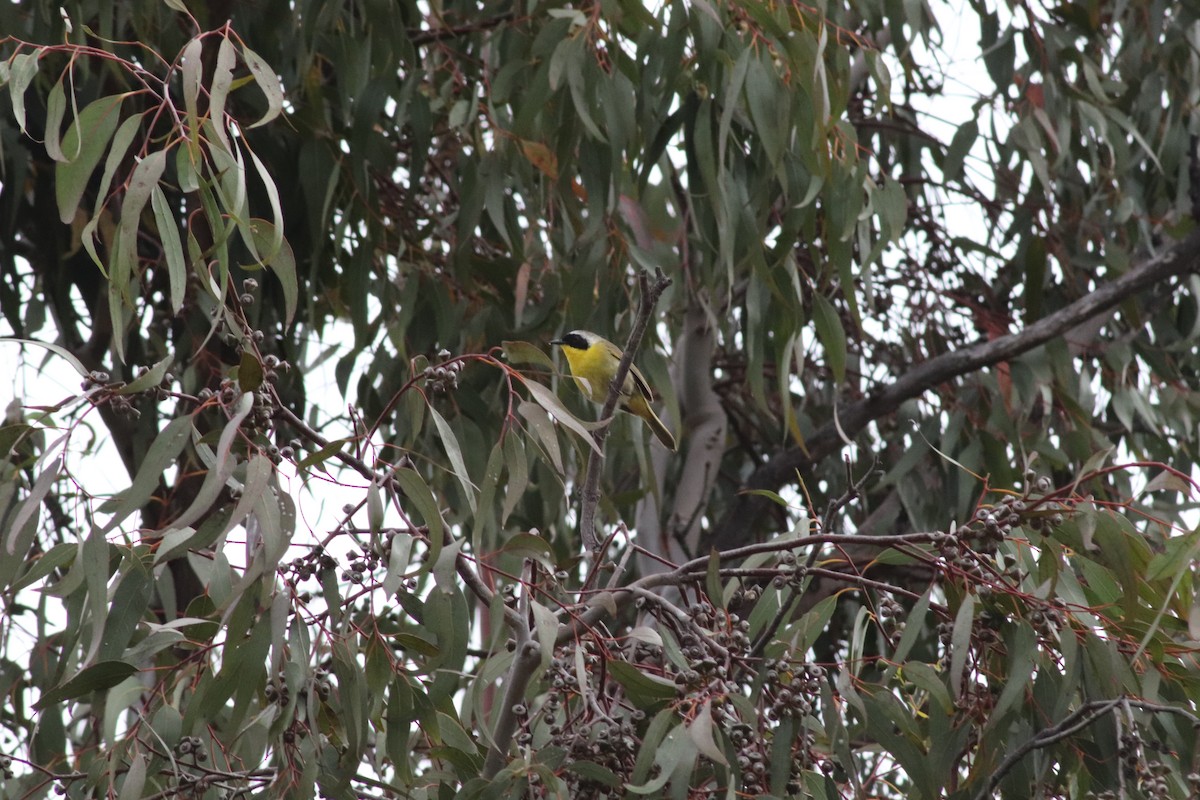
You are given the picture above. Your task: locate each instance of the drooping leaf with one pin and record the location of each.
(95, 678)
(267, 82)
(84, 143)
(646, 691)
(832, 335)
(32, 505)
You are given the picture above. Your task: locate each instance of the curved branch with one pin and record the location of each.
(1077, 720)
(741, 519)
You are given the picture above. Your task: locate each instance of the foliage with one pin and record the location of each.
(930, 530)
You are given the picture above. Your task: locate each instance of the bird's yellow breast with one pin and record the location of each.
(593, 369)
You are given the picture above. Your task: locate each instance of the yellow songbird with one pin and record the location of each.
(594, 361)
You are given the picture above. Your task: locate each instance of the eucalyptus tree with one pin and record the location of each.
(924, 324)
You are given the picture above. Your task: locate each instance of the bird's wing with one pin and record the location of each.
(639, 381)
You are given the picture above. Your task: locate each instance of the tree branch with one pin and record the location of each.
(736, 526)
(594, 609)
(529, 655)
(1078, 719)
(525, 662)
(591, 486)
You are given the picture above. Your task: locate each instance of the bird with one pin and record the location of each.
(593, 361)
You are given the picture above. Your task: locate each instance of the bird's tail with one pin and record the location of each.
(638, 406)
(660, 431)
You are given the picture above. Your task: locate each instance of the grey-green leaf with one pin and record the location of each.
(84, 144)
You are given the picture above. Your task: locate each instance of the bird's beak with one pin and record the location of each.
(558, 342)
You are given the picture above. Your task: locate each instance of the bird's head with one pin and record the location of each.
(577, 340)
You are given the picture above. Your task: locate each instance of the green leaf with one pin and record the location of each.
(96, 678)
(21, 70)
(242, 671)
(275, 227)
(528, 545)
(192, 71)
(399, 554)
(75, 363)
(730, 104)
(675, 760)
(712, 579)
(56, 107)
(701, 732)
(769, 107)
(222, 467)
(664, 723)
(168, 233)
(250, 372)
(924, 677)
(255, 491)
(148, 380)
(960, 147)
(143, 181)
(999, 50)
(268, 82)
(84, 144)
(319, 457)
(774, 497)
(32, 506)
(516, 352)
(374, 508)
(1021, 663)
(647, 692)
(58, 556)
(135, 778)
(960, 643)
(594, 772)
(454, 452)
(781, 761)
(547, 400)
(544, 431)
(891, 203)
(129, 605)
(914, 625)
(188, 164)
(831, 334)
(545, 624)
(453, 734)
(815, 621)
(891, 725)
(163, 450)
(268, 238)
(518, 475)
(410, 642)
(218, 89)
(421, 496)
